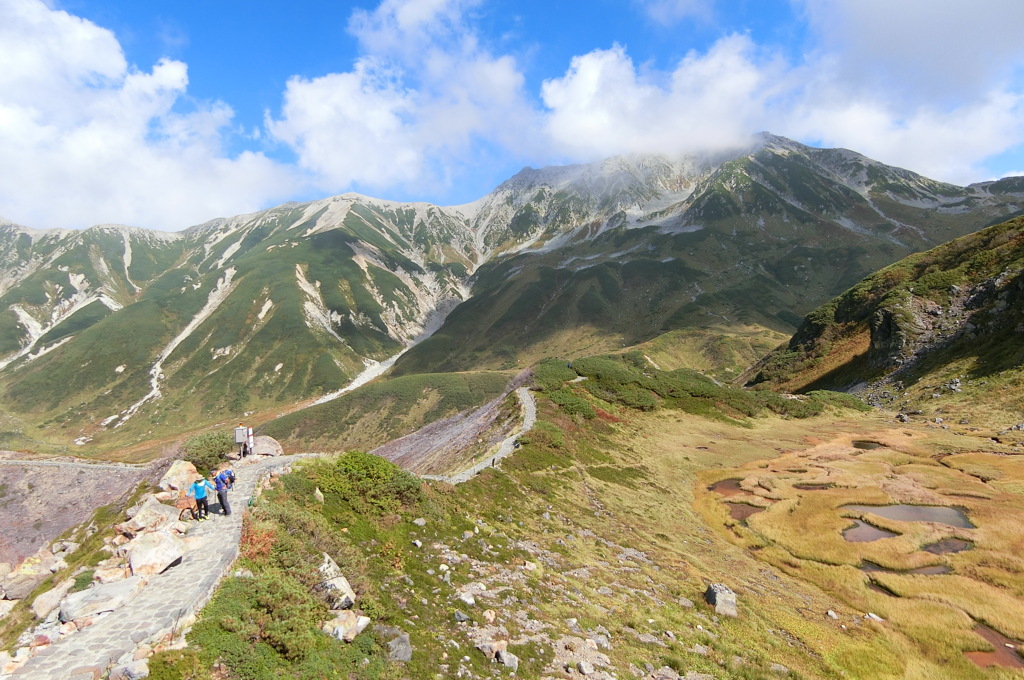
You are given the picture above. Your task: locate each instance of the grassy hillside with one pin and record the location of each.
(953, 313)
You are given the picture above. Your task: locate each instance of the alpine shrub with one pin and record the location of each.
(207, 450)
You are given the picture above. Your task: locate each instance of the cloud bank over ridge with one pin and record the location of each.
(432, 97)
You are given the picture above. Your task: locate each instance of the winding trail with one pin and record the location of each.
(506, 447)
(164, 607)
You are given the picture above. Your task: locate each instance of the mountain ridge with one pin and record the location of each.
(290, 303)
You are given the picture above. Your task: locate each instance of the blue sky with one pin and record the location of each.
(164, 115)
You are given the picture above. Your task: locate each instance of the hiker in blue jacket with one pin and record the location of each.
(224, 481)
(198, 491)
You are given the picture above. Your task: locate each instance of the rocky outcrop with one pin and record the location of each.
(334, 586)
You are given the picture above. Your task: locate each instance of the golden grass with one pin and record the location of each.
(801, 534)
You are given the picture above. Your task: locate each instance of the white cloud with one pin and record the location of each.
(412, 110)
(88, 139)
(605, 105)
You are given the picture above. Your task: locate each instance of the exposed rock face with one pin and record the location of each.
(722, 598)
(334, 585)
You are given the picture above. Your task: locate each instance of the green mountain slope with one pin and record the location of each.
(112, 334)
(946, 322)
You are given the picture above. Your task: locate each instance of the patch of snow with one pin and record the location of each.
(156, 373)
(266, 308)
(277, 369)
(228, 252)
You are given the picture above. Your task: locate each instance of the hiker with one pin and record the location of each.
(224, 481)
(198, 491)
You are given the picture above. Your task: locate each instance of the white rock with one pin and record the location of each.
(48, 601)
(101, 598)
(339, 593)
(179, 476)
(152, 552)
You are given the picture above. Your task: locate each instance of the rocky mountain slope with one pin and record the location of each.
(114, 334)
(926, 335)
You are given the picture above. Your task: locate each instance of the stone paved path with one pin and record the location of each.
(169, 598)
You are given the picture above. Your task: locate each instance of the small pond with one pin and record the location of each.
(742, 511)
(867, 445)
(933, 570)
(727, 487)
(916, 513)
(862, 532)
(813, 487)
(948, 545)
(1003, 656)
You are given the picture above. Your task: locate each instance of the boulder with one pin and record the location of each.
(154, 551)
(110, 574)
(5, 569)
(400, 648)
(136, 670)
(334, 586)
(48, 601)
(319, 495)
(150, 516)
(18, 586)
(6, 606)
(102, 598)
(490, 648)
(346, 625)
(722, 599)
(179, 476)
(508, 659)
(266, 446)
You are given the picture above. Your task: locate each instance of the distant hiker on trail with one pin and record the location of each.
(224, 481)
(198, 491)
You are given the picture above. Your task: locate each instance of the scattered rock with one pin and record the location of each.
(779, 668)
(420, 522)
(585, 668)
(319, 496)
(468, 599)
(832, 615)
(461, 616)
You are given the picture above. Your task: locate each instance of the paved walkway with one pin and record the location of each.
(507, 445)
(169, 599)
